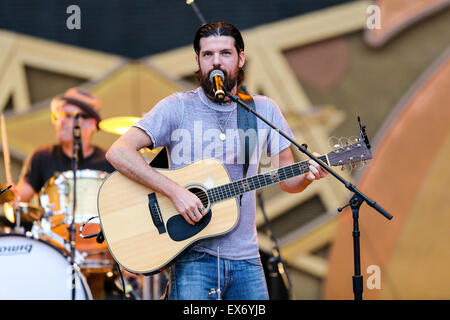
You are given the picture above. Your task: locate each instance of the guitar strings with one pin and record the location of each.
(240, 186)
(248, 184)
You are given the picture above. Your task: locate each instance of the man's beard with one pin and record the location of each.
(229, 82)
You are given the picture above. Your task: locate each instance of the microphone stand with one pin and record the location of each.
(355, 202)
(76, 147)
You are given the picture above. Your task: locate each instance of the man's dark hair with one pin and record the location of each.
(218, 29)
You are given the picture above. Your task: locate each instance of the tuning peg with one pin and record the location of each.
(333, 142)
(343, 141)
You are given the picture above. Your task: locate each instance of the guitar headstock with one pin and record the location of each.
(349, 153)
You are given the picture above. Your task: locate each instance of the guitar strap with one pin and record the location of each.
(246, 120)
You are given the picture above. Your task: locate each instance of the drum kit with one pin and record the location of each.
(36, 257)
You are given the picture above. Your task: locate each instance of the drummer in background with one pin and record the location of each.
(48, 160)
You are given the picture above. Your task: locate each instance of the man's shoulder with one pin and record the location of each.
(42, 156)
(263, 102)
(178, 97)
(261, 97)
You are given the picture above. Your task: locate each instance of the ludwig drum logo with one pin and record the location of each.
(15, 249)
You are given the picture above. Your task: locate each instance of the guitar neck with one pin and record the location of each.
(259, 181)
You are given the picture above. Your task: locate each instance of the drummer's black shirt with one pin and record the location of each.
(47, 161)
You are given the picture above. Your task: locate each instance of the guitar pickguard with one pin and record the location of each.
(179, 230)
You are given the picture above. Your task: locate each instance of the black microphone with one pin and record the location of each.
(217, 77)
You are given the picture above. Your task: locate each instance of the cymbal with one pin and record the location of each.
(118, 125)
(28, 213)
(6, 196)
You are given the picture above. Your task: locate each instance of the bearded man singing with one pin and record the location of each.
(193, 125)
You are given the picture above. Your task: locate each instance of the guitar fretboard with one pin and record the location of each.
(262, 180)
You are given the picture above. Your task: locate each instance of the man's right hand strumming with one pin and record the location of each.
(187, 204)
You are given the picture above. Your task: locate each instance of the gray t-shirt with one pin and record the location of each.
(187, 124)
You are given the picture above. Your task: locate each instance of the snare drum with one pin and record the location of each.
(33, 269)
(57, 194)
(57, 197)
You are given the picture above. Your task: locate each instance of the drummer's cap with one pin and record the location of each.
(82, 99)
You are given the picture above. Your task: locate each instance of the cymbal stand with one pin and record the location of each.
(18, 228)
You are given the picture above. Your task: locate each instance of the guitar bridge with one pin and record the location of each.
(156, 213)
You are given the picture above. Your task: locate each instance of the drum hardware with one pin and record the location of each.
(100, 238)
(17, 212)
(21, 214)
(99, 235)
(46, 206)
(41, 230)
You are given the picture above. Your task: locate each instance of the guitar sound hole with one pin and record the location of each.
(201, 194)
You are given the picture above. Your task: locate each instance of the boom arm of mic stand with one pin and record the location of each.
(347, 184)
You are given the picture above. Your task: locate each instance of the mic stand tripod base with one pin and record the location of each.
(355, 203)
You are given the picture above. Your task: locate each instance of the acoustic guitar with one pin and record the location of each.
(145, 233)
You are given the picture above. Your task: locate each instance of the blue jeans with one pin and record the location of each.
(195, 273)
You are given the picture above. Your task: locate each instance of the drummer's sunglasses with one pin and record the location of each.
(61, 114)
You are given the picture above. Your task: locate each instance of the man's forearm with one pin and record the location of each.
(130, 163)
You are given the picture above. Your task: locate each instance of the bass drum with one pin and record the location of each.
(33, 269)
